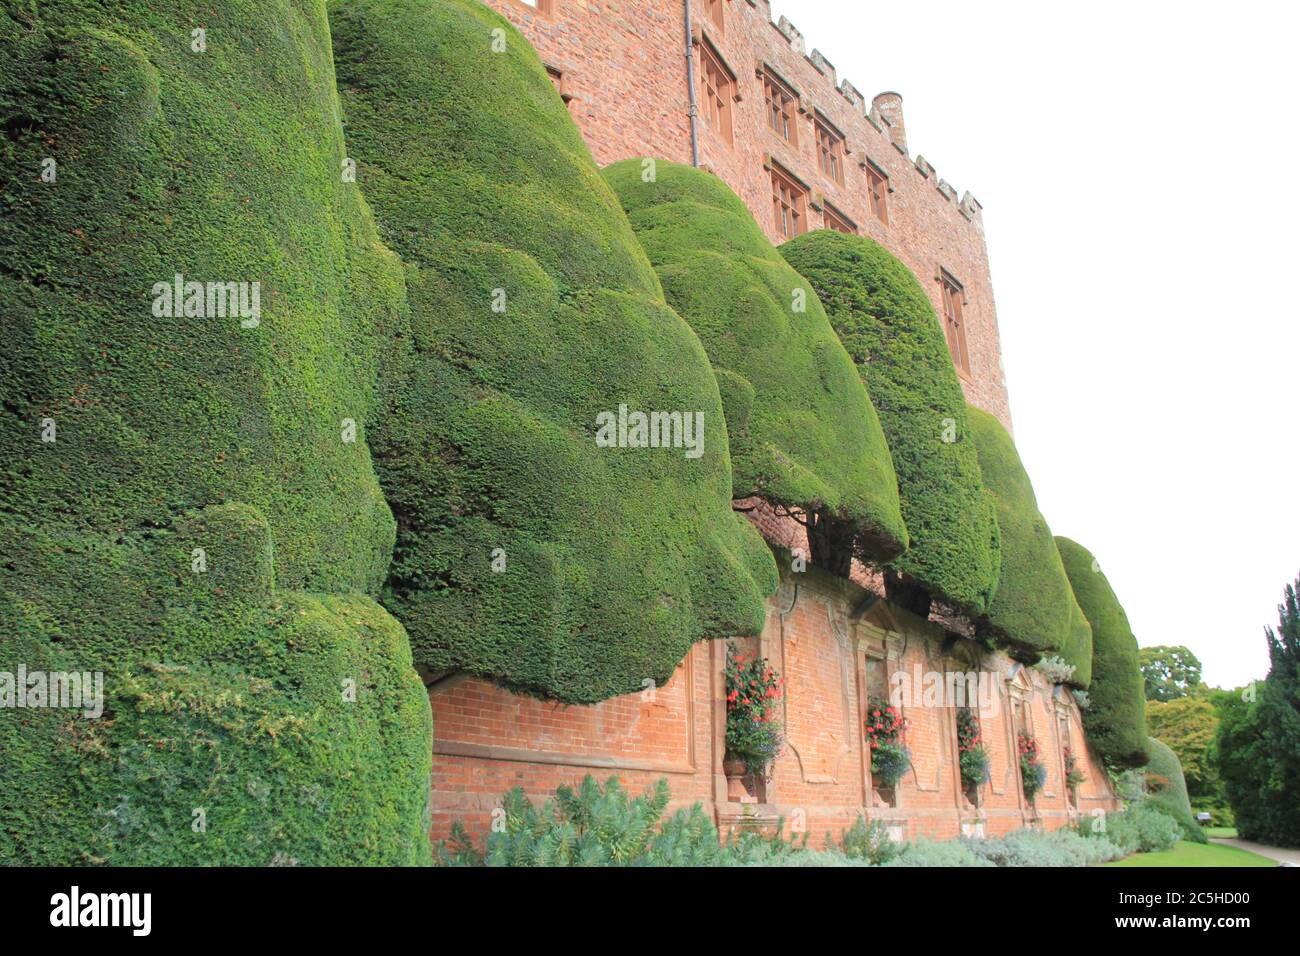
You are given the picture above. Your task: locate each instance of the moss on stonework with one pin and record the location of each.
(1116, 717)
(803, 431)
(527, 552)
(1030, 615)
(888, 326)
(180, 507)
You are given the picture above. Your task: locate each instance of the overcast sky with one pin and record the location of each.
(1136, 164)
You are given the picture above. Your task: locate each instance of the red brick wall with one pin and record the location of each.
(623, 64)
(488, 740)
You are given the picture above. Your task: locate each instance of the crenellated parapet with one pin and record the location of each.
(842, 157)
(883, 113)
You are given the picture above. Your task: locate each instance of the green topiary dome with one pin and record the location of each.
(530, 551)
(1116, 718)
(178, 478)
(1167, 788)
(1030, 614)
(888, 326)
(1077, 650)
(803, 431)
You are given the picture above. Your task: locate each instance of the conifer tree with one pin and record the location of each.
(1259, 749)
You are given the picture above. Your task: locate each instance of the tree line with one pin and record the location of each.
(1239, 748)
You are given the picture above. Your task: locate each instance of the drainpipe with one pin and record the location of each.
(690, 83)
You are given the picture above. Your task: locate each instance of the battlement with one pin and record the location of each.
(884, 113)
(803, 147)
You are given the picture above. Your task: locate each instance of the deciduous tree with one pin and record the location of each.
(1169, 672)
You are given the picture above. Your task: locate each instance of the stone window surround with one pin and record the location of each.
(791, 195)
(844, 223)
(715, 12)
(878, 189)
(954, 320)
(774, 84)
(710, 55)
(825, 131)
(1020, 694)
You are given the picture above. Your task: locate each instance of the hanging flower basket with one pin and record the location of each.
(1032, 773)
(753, 733)
(889, 757)
(972, 755)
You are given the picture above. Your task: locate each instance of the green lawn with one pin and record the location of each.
(1221, 833)
(1196, 854)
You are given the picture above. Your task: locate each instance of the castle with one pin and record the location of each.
(784, 132)
(509, 447)
(804, 150)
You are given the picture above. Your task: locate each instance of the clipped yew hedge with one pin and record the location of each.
(526, 552)
(179, 510)
(1167, 788)
(1077, 649)
(802, 429)
(1116, 718)
(887, 324)
(1030, 615)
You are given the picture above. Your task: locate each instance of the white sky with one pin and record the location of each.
(1135, 162)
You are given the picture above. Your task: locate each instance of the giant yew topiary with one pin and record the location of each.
(1077, 649)
(1031, 611)
(1116, 717)
(1167, 788)
(528, 550)
(182, 508)
(802, 430)
(888, 326)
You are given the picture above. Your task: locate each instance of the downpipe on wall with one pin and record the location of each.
(694, 111)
